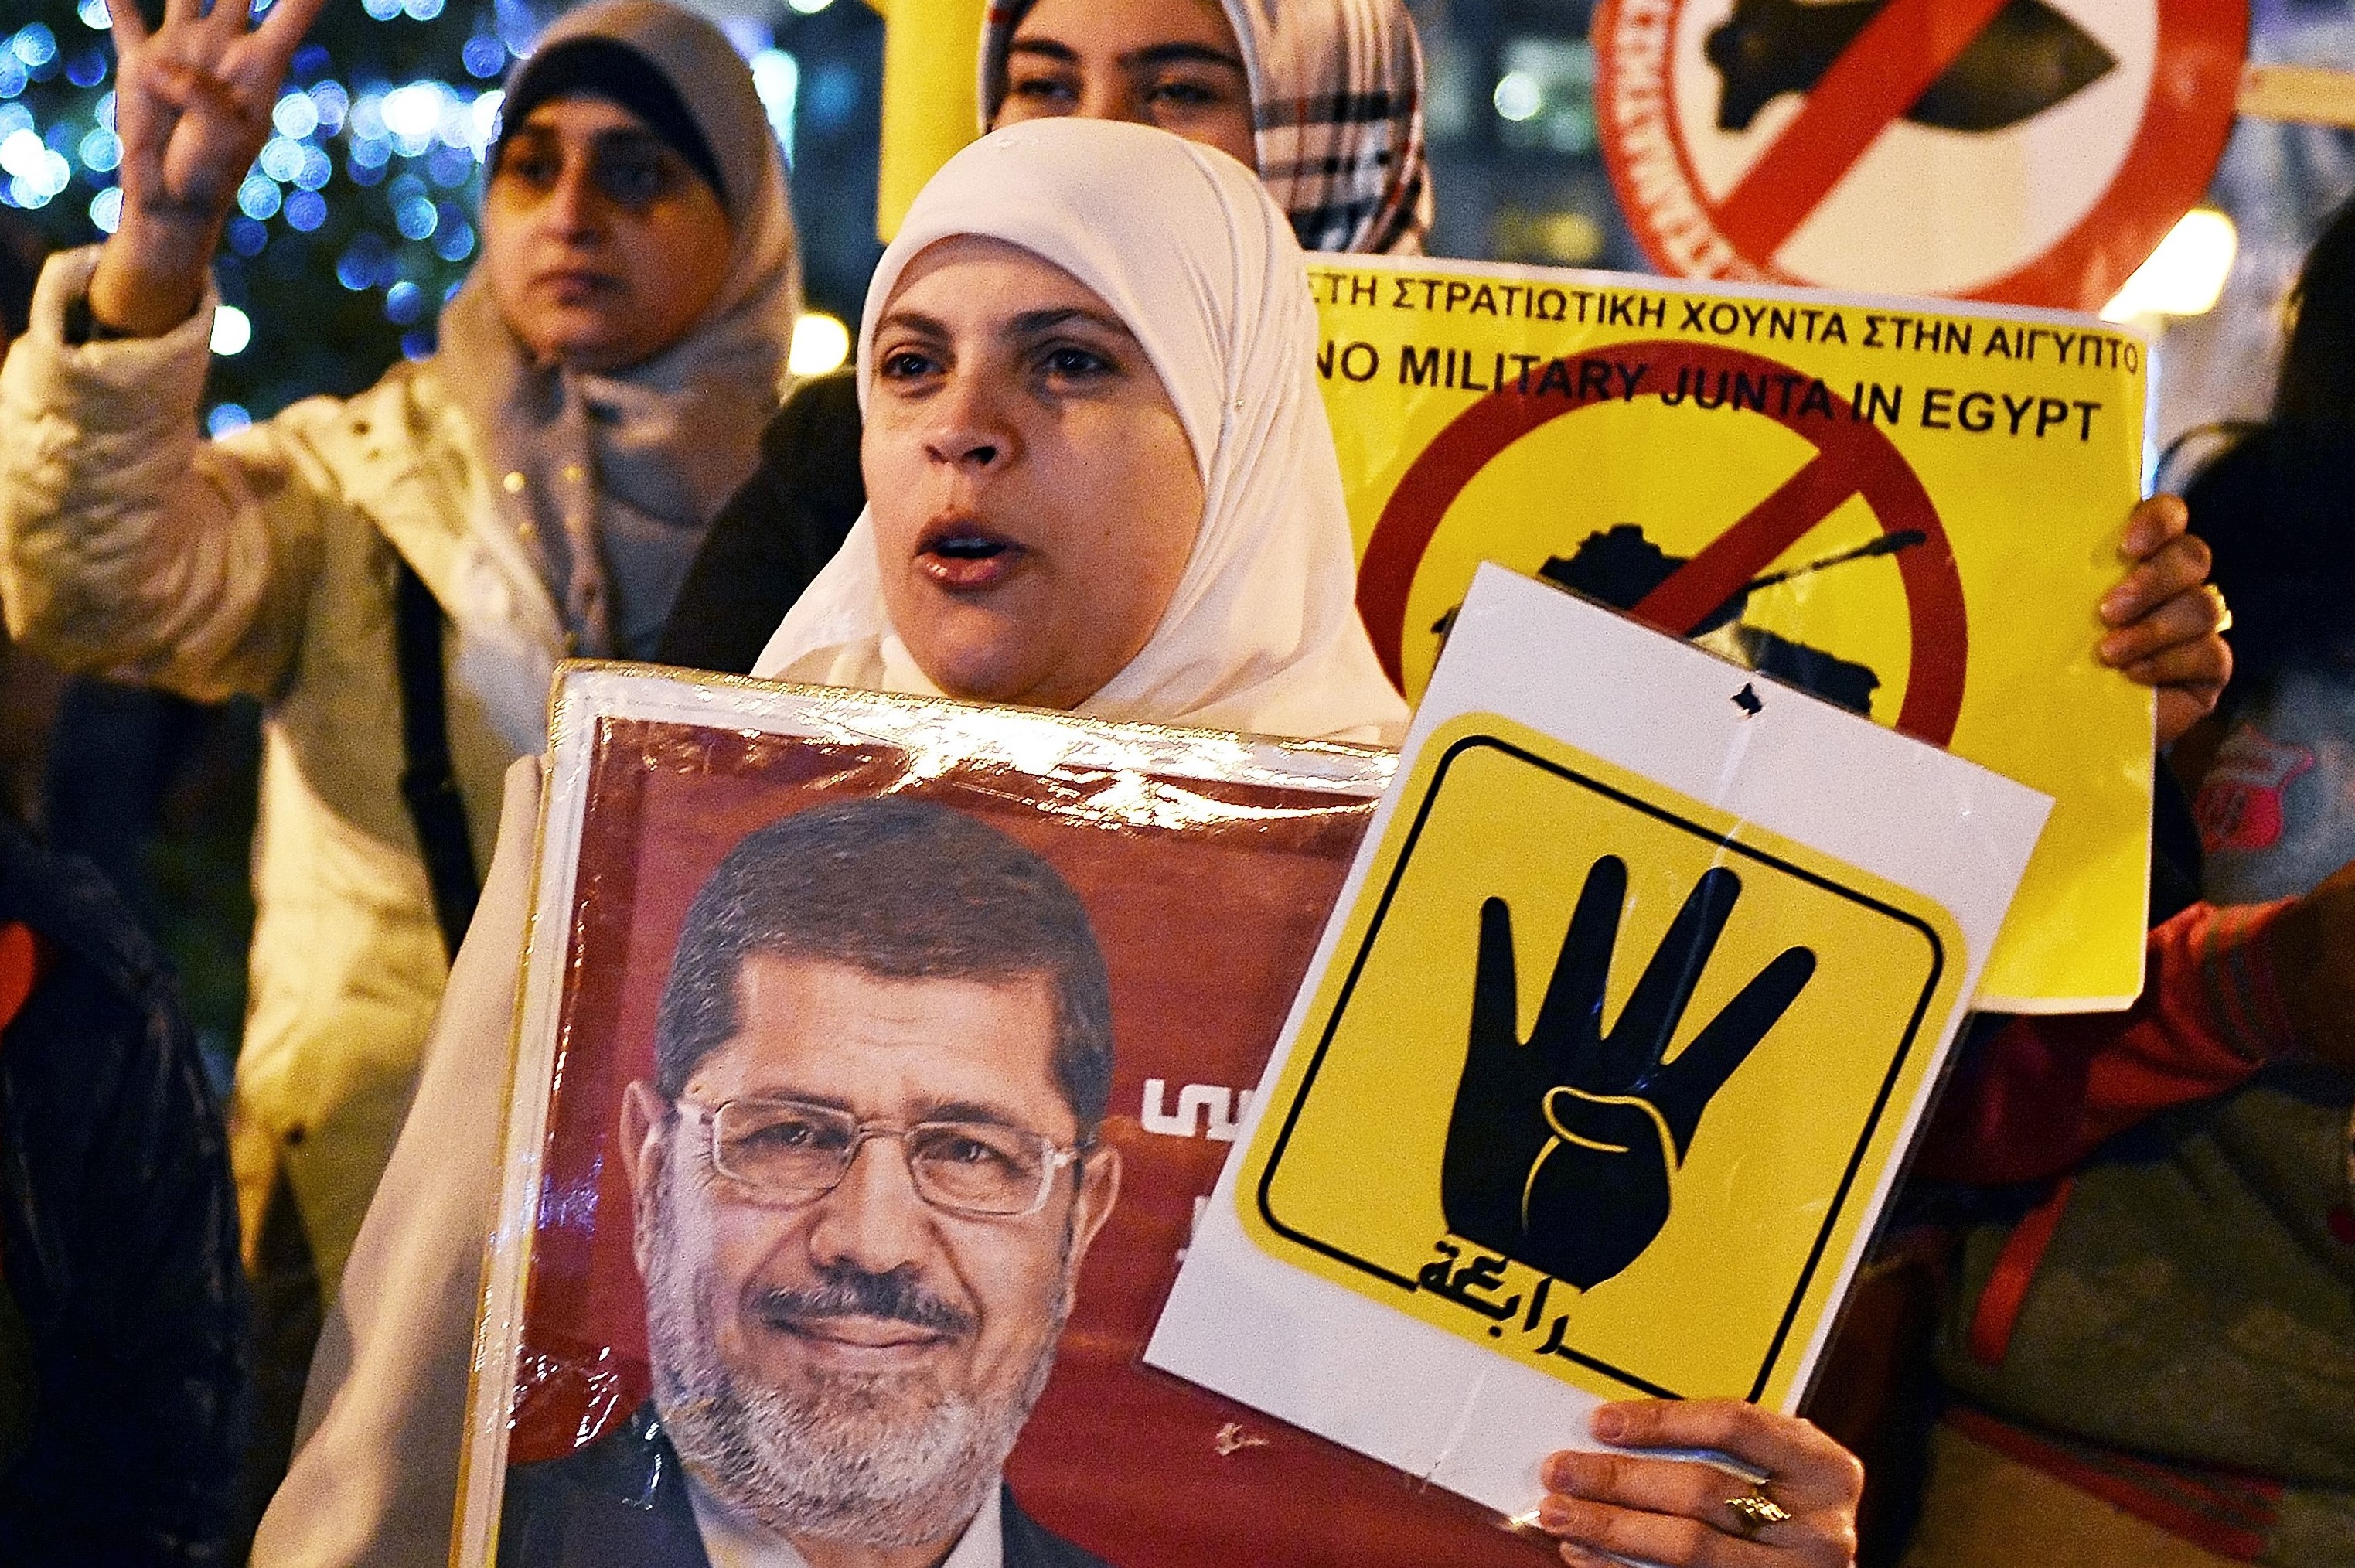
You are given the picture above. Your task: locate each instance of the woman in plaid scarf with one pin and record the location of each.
(1324, 99)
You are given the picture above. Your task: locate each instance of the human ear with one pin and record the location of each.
(645, 1126)
(1099, 1191)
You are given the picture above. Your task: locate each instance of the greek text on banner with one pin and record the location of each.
(1909, 509)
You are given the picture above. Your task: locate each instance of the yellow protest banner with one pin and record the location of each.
(1909, 509)
(1562, 1191)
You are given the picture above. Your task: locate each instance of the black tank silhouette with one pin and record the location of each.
(1621, 565)
(2028, 60)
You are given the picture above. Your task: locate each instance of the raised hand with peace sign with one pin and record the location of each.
(1560, 1150)
(192, 104)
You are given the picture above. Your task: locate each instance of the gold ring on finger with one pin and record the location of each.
(2223, 611)
(1754, 1510)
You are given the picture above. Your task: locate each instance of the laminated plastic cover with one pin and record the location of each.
(1208, 865)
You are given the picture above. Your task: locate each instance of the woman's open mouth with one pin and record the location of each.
(960, 554)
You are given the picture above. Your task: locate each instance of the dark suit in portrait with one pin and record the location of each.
(621, 1502)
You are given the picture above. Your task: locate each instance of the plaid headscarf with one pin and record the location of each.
(1337, 103)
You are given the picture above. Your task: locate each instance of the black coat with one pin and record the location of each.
(775, 534)
(2278, 512)
(620, 1502)
(118, 1242)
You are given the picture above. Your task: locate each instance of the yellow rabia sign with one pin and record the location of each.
(1908, 509)
(1557, 1190)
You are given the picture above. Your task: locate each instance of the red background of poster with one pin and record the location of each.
(1206, 924)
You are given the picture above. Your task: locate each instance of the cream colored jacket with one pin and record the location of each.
(264, 563)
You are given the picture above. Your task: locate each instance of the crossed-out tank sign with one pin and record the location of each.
(2029, 151)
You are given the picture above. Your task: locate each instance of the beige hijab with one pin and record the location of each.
(619, 473)
(1183, 244)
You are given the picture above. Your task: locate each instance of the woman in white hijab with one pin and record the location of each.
(1323, 98)
(1101, 472)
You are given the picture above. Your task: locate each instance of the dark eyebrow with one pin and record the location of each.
(1028, 323)
(1147, 59)
(627, 139)
(1183, 54)
(931, 1108)
(613, 139)
(937, 1110)
(1032, 322)
(911, 321)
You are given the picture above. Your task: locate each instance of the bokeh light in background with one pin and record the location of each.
(821, 344)
(232, 330)
(2185, 275)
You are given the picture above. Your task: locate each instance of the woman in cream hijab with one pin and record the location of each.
(1105, 485)
(1323, 98)
(1101, 472)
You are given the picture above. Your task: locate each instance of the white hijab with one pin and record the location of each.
(1183, 243)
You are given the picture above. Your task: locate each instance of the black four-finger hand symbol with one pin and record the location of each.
(1560, 1150)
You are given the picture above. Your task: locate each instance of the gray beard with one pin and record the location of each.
(863, 1458)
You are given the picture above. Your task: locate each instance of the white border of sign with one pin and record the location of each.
(1443, 1409)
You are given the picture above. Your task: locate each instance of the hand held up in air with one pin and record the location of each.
(1680, 1513)
(192, 105)
(2166, 625)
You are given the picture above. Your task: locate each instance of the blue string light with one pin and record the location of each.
(485, 57)
(258, 197)
(36, 46)
(295, 114)
(416, 219)
(404, 303)
(306, 210)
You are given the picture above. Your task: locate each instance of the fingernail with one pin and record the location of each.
(1608, 1425)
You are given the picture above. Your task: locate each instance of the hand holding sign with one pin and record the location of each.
(1560, 1150)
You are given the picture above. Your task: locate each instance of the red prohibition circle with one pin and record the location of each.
(1853, 457)
(2199, 49)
